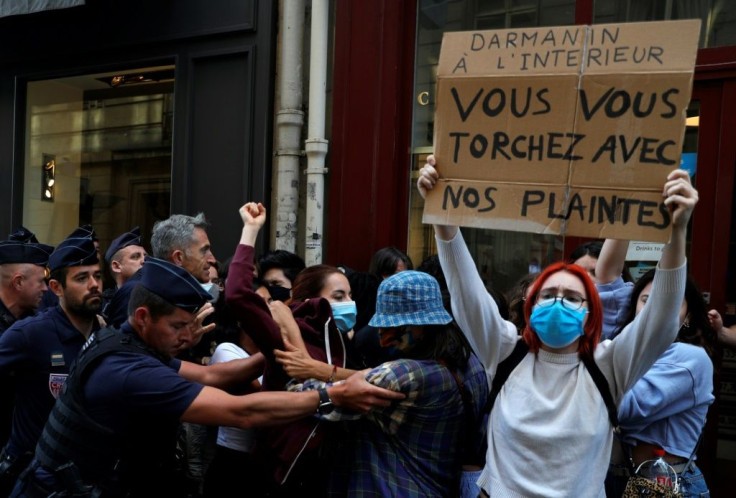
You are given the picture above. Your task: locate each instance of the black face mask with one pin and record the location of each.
(279, 293)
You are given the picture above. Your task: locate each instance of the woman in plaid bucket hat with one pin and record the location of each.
(414, 447)
(549, 433)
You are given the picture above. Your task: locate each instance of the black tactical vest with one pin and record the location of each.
(70, 435)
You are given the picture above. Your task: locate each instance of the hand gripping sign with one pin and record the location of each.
(569, 129)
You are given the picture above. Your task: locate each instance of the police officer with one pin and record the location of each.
(22, 276)
(22, 284)
(124, 258)
(113, 431)
(51, 300)
(38, 351)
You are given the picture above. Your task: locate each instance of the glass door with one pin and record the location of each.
(98, 151)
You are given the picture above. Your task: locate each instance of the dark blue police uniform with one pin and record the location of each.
(6, 318)
(22, 247)
(49, 300)
(40, 350)
(114, 427)
(116, 311)
(115, 304)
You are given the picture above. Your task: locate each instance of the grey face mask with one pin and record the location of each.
(212, 289)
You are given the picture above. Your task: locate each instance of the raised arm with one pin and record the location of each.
(427, 180)
(625, 359)
(491, 337)
(615, 294)
(254, 217)
(247, 306)
(611, 261)
(680, 197)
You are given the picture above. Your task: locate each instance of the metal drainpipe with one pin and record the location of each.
(289, 122)
(316, 145)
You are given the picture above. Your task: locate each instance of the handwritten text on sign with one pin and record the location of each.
(562, 110)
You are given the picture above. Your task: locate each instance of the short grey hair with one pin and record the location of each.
(175, 233)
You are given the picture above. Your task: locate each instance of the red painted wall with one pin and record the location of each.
(371, 129)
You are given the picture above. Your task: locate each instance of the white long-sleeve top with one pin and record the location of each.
(549, 433)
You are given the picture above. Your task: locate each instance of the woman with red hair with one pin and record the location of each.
(549, 432)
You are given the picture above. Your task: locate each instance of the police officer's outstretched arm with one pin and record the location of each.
(227, 374)
(215, 407)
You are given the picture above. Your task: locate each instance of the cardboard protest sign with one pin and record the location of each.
(569, 129)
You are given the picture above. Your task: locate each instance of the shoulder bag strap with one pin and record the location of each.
(602, 384)
(504, 370)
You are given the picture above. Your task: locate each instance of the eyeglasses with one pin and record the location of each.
(570, 301)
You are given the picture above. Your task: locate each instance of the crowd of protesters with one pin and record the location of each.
(261, 376)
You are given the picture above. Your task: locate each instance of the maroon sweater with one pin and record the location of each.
(280, 446)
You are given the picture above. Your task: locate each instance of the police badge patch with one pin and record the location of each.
(56, 384)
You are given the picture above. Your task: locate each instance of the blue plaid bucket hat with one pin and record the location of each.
(409, 298)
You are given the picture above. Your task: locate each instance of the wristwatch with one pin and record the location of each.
(325, 403)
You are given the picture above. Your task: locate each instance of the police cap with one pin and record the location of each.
(23, 247)
(77, 249)
(132, 238)
(88, 230)
(174, 284)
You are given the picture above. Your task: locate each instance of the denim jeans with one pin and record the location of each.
(468, 488)
(692, 483)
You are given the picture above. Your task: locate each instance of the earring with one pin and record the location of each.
(686, 325)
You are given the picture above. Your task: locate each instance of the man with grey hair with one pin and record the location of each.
(182, 240)
(179, 239)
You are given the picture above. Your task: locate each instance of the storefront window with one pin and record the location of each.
(719, 16)
(502, 257)
(98, 151)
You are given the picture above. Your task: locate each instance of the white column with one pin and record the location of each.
(316, 145)
(289, 122)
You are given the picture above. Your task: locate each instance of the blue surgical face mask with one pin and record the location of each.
(556, 325)
(345, 313)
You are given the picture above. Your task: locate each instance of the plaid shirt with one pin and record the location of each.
(413, 447)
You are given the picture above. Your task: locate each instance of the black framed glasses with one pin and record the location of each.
(569, 301)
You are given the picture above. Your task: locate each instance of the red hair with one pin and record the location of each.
(594, 323)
